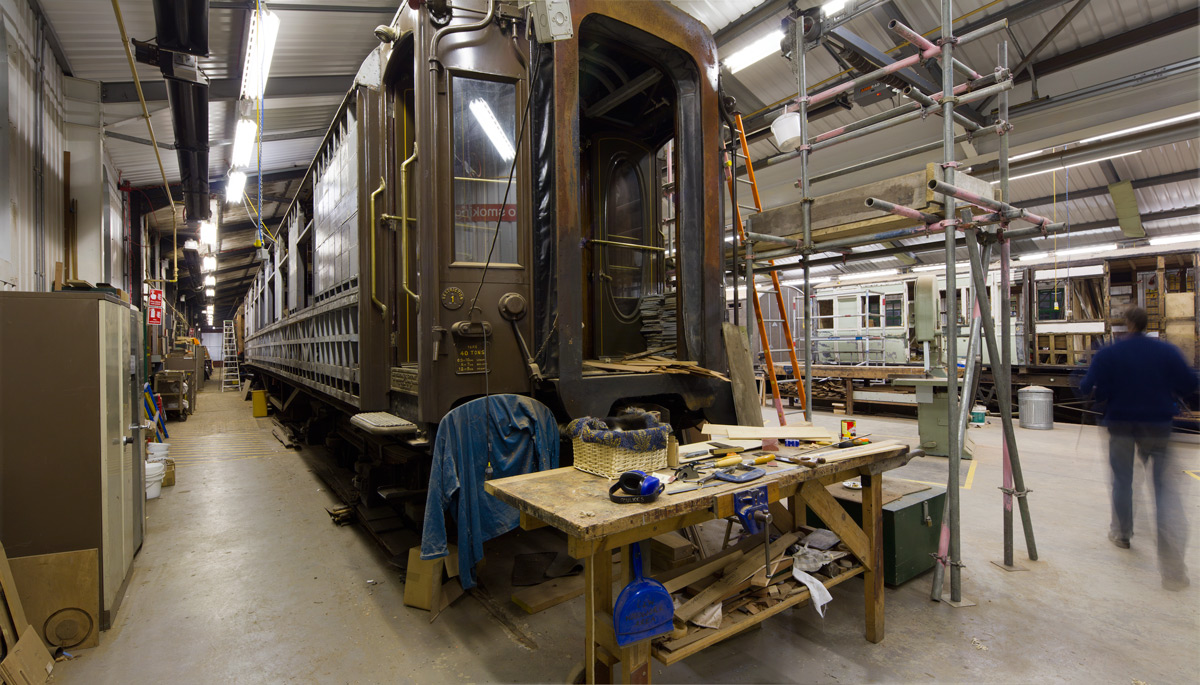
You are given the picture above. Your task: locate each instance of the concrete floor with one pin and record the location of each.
(244, 579)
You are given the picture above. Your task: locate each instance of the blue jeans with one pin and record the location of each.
(1152, 442)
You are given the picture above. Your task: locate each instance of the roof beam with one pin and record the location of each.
(1129, 217)
(1107, 46)
(1050, 35)
(52, 38)
(749, 21)
(228, 90)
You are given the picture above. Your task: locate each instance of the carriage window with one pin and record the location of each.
(484, 150)
(623, 217)
(893, 311)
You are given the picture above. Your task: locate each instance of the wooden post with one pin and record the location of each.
(872, 517)
(1160, 284)
(849, 397)
(597, 609)
(1106, 305)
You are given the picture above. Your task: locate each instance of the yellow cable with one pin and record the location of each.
(259, 215)
(137, 84)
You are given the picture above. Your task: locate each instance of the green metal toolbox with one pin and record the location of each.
(911, 525)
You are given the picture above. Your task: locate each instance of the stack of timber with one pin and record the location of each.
(728, 592)
(659, 320)
(653, 364)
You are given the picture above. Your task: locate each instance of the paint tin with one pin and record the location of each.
(849, 430)
(791, 442)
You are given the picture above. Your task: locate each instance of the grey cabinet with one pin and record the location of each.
(71, 446)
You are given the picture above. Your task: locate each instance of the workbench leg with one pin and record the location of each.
(799, 511)
(849, 397)
(872, 517)
(635, 663)
(597, 573)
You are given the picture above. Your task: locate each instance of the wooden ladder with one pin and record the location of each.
(751, 290)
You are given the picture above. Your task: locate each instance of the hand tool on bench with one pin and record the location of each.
(710, 479)
(809, 461)
(742, 473)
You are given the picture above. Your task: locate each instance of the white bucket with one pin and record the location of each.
(154, 478)
(157, 449)
(786, 129)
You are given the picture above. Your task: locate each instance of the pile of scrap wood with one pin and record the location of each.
(654, 364)
(730, 588)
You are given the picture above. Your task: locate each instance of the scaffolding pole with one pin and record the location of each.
(805, 208)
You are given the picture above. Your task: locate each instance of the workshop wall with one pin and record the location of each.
(32, 140)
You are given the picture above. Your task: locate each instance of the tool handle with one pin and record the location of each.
(727, 461)
(762, 460)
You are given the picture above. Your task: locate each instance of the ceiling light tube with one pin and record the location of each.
(210, 281)
(210, 292)
(209, 264)
(833, 7)
(491, 125)
(235, 186)
(867, 274)
(243, 142)
(1173, 239)
(1032, 256)
(264, 28)
(208, 233)
(755, 52)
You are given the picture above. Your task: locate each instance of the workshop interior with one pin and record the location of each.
(599, 341)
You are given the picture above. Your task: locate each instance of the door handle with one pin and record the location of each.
(375, 229)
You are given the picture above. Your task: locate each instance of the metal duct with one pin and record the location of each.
(182, 26)
(182, 34)
(189, 117)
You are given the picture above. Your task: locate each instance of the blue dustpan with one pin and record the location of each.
(644, 608)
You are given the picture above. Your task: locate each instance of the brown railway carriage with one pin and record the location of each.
(414, 272)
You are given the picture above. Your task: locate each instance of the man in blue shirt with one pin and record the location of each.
(1137, 381)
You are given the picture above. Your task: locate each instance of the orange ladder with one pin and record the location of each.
(751, 289)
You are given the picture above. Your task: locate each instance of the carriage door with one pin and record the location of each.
(626, 245)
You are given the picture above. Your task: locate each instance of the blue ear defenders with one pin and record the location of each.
(638, 488)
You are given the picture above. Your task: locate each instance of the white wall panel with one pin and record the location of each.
(35, 136)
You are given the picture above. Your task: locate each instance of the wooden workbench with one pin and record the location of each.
(577, 503)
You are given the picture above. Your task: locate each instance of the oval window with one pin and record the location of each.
(624, 222)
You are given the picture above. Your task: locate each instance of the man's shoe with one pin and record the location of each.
(1118, 541)
(1176, 584)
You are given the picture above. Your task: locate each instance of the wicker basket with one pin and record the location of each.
(611, 462)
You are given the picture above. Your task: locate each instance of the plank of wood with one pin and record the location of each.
(781, 432)
(9, 586)
(627, 368)
(835, 517)
(741, 375)
(52, 582)
(550, 593)
(745, 568)
(28, 662)
(671, 546)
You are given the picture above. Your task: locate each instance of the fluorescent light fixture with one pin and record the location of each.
(1173, 239)
(210, 281)
(1032, 256)
(812, 280)
(754, 52)
(243, 142)
(1025, 155)
(1071, 166)
(1144, 127)
(491, 126)
(209, 264)
(235, 186)
(191, 245)
(264, 28)
(958, 266)
(210, 292)
(868, 274)
(208, 233)
(833, 7)
(1106, 247)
